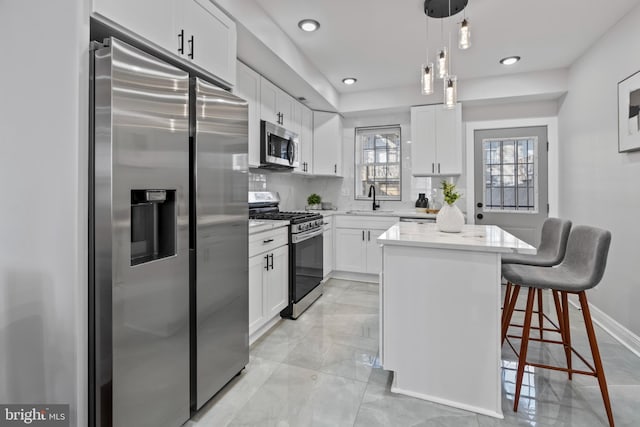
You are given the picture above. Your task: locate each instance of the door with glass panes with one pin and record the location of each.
(511, 185)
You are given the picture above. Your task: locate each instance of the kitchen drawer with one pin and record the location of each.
(328, 222)
(268, 241)
(365, 222)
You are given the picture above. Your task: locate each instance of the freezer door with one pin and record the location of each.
(141, 239)
(219, 125)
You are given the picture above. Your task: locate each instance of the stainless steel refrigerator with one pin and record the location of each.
(164, 299)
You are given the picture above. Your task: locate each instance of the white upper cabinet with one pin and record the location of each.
(436, 134)
(305, 139)
(209, 37)
(327, 143)
(194, 31)
(150, 19)
(276, 106)
(248, 88)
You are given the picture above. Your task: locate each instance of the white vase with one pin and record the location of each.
(450, 219)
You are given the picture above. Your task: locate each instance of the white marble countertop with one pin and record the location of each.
(481, 238)
(260, 225)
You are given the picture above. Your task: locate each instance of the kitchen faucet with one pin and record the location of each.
(373, 189)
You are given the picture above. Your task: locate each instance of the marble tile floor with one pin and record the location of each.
(322, 370)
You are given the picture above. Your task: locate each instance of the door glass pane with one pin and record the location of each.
(510, 174)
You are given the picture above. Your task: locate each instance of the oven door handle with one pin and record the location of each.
(297, 238)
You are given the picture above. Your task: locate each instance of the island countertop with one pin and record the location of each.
(481, 238)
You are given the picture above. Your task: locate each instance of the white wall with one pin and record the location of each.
(598, 185)
(43, 240)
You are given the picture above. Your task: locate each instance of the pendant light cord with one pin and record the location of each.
(450, 58)
(427, 31)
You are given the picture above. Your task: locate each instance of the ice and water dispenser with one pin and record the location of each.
(153, 225)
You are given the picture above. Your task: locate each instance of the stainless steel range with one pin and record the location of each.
(305, 249)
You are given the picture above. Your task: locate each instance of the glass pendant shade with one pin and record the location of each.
(443, 59)
(464, 35)
(427, 79)
(450, 92)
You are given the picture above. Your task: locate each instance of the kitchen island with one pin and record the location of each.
(440, 312)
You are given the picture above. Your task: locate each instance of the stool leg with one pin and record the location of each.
(567, 349)
(596, 355)
(507, 316)
(567, 331)
(507, 297)
(540, 313)
(522, 359)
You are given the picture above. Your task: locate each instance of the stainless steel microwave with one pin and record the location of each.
(278, 147)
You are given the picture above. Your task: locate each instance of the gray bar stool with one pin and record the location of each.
(582, 268)
(553, 244)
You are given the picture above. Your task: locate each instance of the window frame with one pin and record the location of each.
(358, 151)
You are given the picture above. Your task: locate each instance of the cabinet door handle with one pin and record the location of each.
(271, 255)
(267, 241)
(181, 42)
(363, 235)
(433, 168)
(438, 167)
(369, 235)
(335, 168)
(266, 267)
(191, 48)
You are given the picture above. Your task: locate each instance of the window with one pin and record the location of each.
(510, 174)
(377, 162)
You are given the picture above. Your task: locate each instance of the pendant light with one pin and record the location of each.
(443, 56)
(443, 63)
(450, 81)
(428, 78)
(450, 92)
(442, 9)
(426, 71)
(464, 35)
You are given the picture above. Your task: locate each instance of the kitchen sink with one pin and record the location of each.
(368, 212)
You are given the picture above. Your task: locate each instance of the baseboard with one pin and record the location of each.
(356, 277)
(620, 333)
(263, 329)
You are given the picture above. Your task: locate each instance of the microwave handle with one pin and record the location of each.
(291, 151)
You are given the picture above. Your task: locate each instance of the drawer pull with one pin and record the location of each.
(267, 241)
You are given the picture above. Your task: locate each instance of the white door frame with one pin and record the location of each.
(552, 133)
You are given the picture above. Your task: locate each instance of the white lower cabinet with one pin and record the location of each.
(268, 278)
(356, 249)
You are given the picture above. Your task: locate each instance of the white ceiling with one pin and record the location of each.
(383, 42)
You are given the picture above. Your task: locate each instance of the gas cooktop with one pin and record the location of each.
(293, 217)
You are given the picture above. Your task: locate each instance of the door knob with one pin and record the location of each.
(479, 216)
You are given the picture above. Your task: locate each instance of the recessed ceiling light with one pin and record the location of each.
(349, 80)
(309, 25)
(509, 60)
